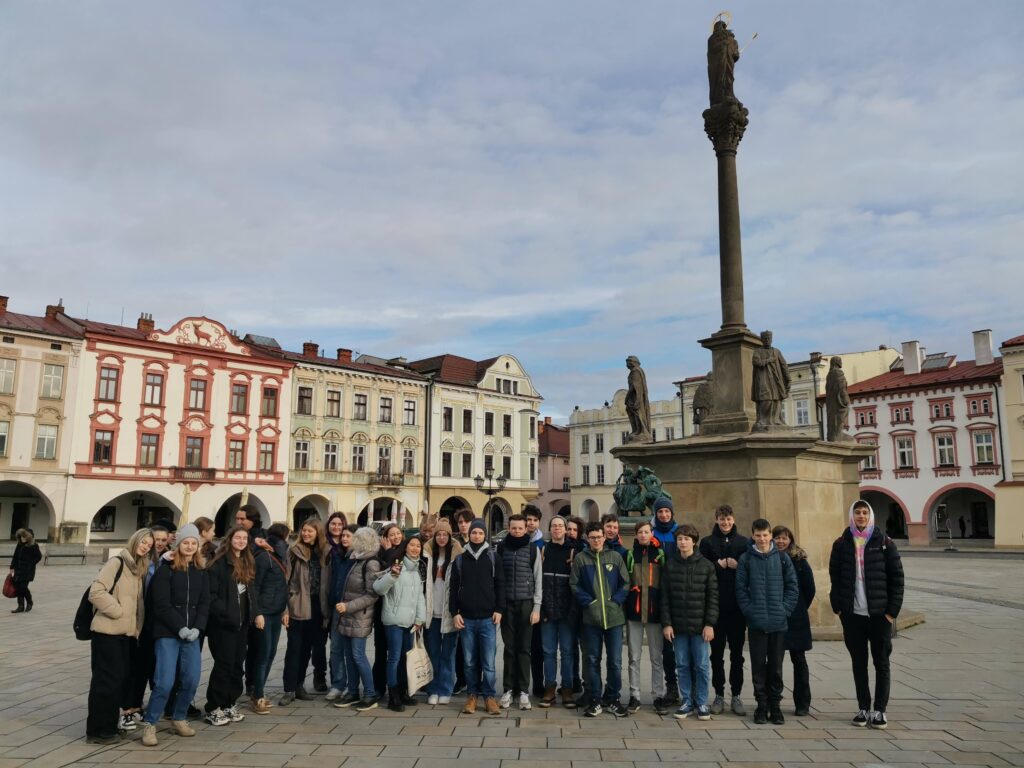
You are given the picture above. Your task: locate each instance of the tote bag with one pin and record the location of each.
(9, 590)
(418, 669)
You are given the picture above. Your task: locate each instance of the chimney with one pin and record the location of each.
(52, 310)
(547, 420)
(983, 347)
(911, 357)
(344, 355)
(3, 304)
(310, 349)
(145, 322)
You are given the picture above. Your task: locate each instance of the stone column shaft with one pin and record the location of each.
(729, 248)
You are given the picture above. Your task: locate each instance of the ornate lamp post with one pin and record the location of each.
(494, 486)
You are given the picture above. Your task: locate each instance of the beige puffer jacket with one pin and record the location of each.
(122, 611)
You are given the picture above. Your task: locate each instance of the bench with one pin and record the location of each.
(7, 551)
(64, 554)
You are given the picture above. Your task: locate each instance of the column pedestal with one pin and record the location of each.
(732, 352)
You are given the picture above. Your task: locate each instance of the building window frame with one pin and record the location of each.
(109, 384)
(332, 408)
(149, 449)
(304, 401)
(236, 455)
(385, 409)
(103, 446)
(301, 455)
(239, 398)
(8, 375)
(53, 381)
(360, 406)
(153, 388)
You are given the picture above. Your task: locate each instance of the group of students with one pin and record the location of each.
(337, 585)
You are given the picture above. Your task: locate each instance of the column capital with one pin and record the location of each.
(725, 124)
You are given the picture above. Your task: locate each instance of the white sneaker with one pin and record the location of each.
(333, 694)
(444, 699)
(432, 698)
(217, 717)
(127, 723)
(524, 701)
(232, 714)
(506, 700)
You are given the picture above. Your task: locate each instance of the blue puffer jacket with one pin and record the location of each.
(766, 589)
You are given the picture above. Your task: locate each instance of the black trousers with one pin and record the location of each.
(303, 637)
(108, 689)
(668, 661)
(252, 656)
(731, 629)
(861, 633)
(516, 635)
(801, 680)
(766, 652)
(22, 592)
(143, 667)
(228, 648)
(537, 662)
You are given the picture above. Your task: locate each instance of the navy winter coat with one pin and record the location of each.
(798, 636)
(766, 589)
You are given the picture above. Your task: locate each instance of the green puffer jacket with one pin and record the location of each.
(689, 594)
(600, 584)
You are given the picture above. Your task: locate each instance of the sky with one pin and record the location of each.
(410, 178)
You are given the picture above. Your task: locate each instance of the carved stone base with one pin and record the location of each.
(732, 353)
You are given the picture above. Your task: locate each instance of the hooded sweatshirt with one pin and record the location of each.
(866, 571)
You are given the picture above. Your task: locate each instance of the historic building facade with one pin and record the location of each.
(554, 479)
(1010, 489)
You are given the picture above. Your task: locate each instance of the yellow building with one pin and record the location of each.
(1010, 491)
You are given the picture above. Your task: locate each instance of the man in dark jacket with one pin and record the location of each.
(613, 542)
(557, 612)
(867, 593)
(521, 563)
(643, 614)
(476, 600)
(723, 548)
(767, 592)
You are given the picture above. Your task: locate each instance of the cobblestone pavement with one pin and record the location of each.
(958, 698)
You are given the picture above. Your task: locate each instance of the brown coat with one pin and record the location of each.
(300, 606)
(122, 611)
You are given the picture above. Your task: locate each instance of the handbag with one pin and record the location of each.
(418, 669)
(9, 590)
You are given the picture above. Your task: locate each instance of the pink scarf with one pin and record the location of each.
(860, 539)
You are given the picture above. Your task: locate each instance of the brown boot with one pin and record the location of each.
(182, 728)
(470, 708)
(550, 694)
(492, 706)
(567, 700)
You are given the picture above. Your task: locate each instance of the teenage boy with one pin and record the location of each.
(767, 592)
(689, 610)
(462, 520)
(600, 583)
(610, 526)
(532, 515)
(663, 529)
(643, 614)
(558, 615)
(476, 599)
(723, 548)
(521, 563)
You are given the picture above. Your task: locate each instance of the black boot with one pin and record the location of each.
(395, 702)
(28, 601)
(776, 715)
(21, 606)
(320, 682)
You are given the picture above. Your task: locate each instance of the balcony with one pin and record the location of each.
(385, 479)
(194, 474)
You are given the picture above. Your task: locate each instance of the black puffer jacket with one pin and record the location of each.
(558, 604)
(226, 604)
(719, 546)
(883, 574)
(23, 562)
(271, 584)
(689, 594)
(798, 636)
(180, 599)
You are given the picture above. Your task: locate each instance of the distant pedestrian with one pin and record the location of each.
(798, 636)
(963, 527)
(23, 567)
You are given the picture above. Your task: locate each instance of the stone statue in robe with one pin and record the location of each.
(770, 386)
(723, 53)
(837, 401)
(638, 403)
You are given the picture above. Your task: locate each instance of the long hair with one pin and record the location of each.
(25, 536)
(794, 551)
(243, 567)
(132, 547)
(449, 552)
(335, 546)
(319, 546)
(179, 563)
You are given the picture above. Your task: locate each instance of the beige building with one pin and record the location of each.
(1009, 492)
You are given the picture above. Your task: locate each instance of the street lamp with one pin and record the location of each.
(494, 485)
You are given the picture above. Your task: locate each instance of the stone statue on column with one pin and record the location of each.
(770, 385)
(723, 53)
(837, 401)
(638, 403)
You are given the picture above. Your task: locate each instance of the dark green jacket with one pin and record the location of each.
(689, 594)
(600, 583)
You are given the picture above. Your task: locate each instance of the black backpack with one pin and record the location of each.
(86, 610)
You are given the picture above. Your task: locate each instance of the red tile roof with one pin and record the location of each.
(453, 369)
(52, 326)
(333, 362)
(553, 440)
(1016, 341)
(110, 329)
(898, 381)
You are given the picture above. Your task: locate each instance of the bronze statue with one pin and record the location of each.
(704, 400)
(638, 404)
(837, 400)
(723, 53)
(635, 492)
(771, 385)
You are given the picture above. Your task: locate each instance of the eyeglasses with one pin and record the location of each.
(596, 537)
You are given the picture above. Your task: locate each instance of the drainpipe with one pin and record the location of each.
(999, 429)
(426, 452)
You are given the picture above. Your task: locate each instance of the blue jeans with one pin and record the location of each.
(357, 666)
(399, 643)
(441, 649)
(611, 639)
(174, 657)
(267, 639)
(339, 665)
(691, 650)
(479, 644)
(557, 639)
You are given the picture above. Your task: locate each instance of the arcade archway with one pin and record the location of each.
(966, 511)
(226, 514)
(311, 505)
(120, 517)
(25, 506)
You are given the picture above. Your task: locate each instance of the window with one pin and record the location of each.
(803, 412)
(654, 434)
(515, 387)
(565, 483)
(488, 463)
(102, 447)
(670, 433)
(5, 431)
(506, 387)
(236, 454)
(154, 392)
(533, 468)
(408, 461)
(268, 405)
(947, 410)
(108, 384)
(865, 416)
(533, 427)
(301, 454)
(358, 458)
(506, 425)
(467, 421)
(239, 398)
(446, 464)
(984, 449)
(384, 459)
(359, 406)
(149, 450)
(7, 368)
(624, 438)
(586, 475)
(467, 465)
(193, 451)
(409, 413)
(267, 457)
(904, 453)
(599, 443)
(46, 441)
(53, 380)
(446, 419)
(584, 443)
(944, 450)
(304, 406)
(600, 474)
(488, 423)
(506, 466)
(385, 410)
(333, 404)
(197, 395)
(331, 452)
(870, 462)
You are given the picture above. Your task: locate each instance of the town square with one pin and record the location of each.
(398, 385)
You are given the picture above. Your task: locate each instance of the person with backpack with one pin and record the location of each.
(116, 597)
(440, 636)
(23, 567)
(271, 587)
(798, 636)
(867, 593)
(403, 611)
(523, 597)
(558, 615)
(663, 528)
(645, 563)
(306, 563)
(476, 600)
(181, 606)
